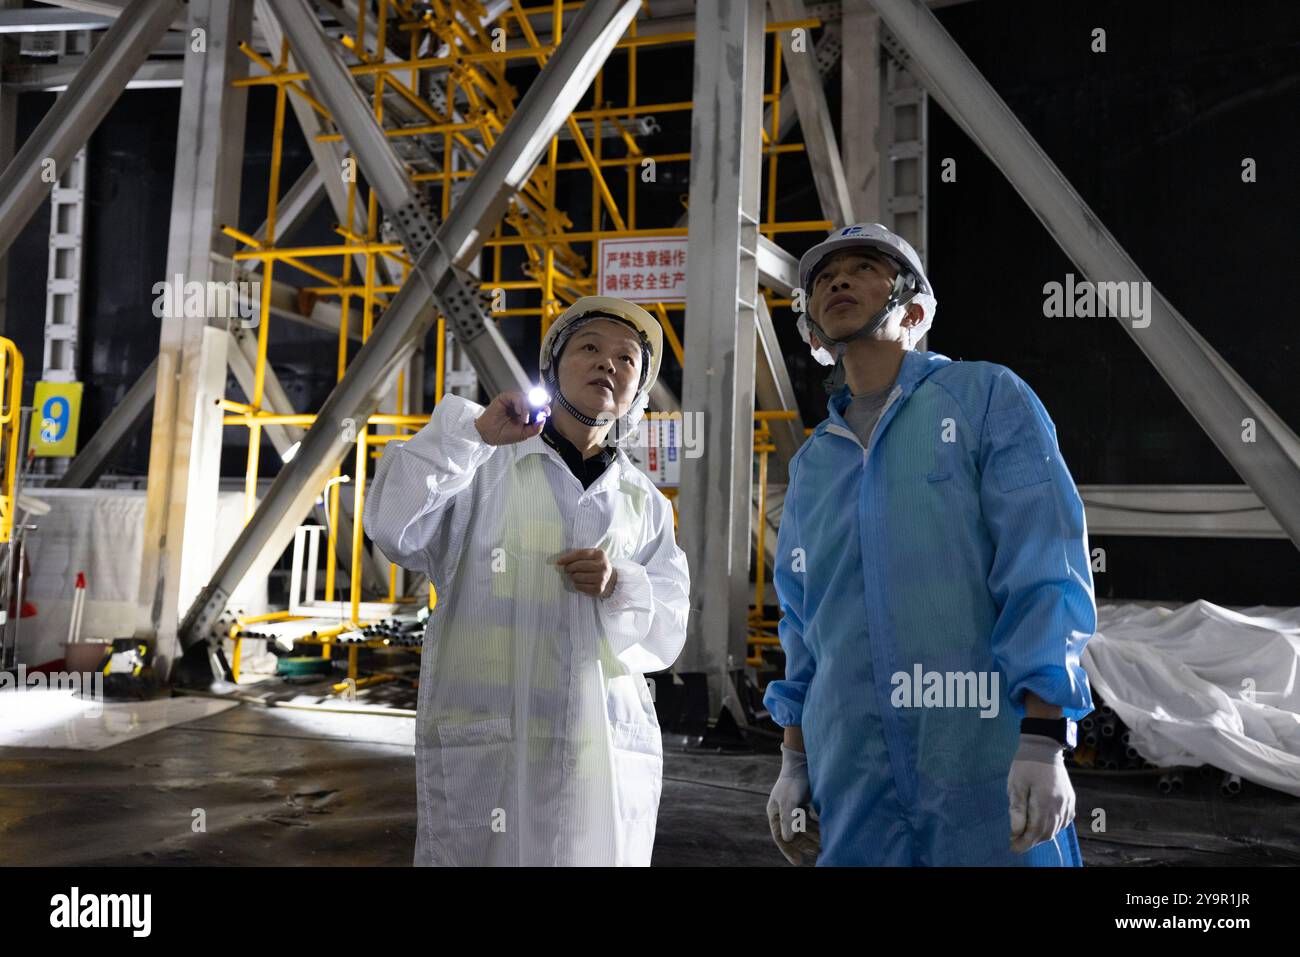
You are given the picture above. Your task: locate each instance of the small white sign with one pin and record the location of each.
(645, 269)
(660, 455)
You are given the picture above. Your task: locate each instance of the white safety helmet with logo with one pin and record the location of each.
(588, 309)
(910, 285)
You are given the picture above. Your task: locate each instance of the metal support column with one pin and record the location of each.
(814, 118)
(185, 445)
(75, 115)
(860, 108)
(1212, 392)
(551, 97)
(721, 311)
(904, 115)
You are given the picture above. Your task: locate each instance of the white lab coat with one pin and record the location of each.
(536, 739)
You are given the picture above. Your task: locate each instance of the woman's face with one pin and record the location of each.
(600, 368)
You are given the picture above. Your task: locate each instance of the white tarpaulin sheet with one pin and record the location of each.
(1205, 685)
(101, 532)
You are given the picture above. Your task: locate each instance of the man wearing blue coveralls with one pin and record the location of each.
(934, 582)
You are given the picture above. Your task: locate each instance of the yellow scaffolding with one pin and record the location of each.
(11, 401)
(555, 268)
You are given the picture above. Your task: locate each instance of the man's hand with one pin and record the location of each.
(797, 835)
(502, 422)
(590, 571)
(1040, 794)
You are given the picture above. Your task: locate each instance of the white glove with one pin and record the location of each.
(796, 833)
(1041, 796)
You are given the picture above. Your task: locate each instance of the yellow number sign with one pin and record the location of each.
(57, 409)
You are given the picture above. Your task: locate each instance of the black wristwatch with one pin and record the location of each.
(1062, 730)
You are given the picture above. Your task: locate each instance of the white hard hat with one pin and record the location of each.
(872, 235)
(589, 308)
(883, 240)
(608, 307)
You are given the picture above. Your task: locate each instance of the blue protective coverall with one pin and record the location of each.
(955, 541)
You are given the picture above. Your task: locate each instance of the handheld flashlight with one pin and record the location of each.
(538, 398)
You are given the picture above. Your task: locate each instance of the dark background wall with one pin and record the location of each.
(1152, 133)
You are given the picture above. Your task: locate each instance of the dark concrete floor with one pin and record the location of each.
(290, 787)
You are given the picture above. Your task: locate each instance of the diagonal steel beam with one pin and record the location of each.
(1219, 400)
(327, 157)
(115, 9)
(827, 52)
(774, 390)
(287, 301)
(76, 114)
(242, 357)
(337, 90)
(298, 202)
(435, 280)
(814, 118)
(127, 416)
(10, 53)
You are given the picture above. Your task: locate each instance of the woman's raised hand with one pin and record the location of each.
(503, 422)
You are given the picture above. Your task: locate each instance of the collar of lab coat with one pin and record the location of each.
(619, 467)
(914, 370)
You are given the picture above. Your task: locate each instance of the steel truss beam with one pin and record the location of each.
(814, 119)
(438, 277)
(76, 114)
(1212, 392)
(715, 503)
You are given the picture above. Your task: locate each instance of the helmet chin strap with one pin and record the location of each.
(896, 299)
(553, 379)
(566, 405)
(569, 407)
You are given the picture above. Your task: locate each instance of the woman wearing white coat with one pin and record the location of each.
(559, 584)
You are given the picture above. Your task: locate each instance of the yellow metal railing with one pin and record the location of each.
(558, 264)
(762, 630)
(11, 401)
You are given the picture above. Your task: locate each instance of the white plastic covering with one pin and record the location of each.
(101, 532)
(1205, 685)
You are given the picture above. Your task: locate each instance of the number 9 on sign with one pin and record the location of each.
(54, 425)
(54, 419)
